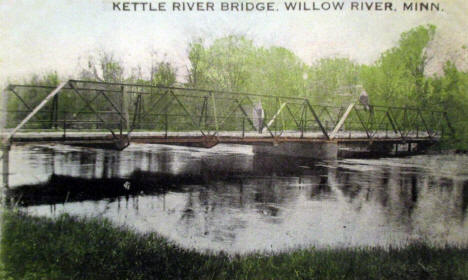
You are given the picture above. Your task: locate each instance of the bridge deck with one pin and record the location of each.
(233, 137)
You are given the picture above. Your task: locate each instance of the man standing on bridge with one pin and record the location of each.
(258, 117)
(364, 100)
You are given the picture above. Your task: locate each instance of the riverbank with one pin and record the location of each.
(77, 248)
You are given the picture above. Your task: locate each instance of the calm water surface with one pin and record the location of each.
(227, 198)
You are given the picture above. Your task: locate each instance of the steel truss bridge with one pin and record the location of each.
(116, 114)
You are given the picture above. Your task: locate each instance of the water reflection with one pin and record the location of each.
(229, 199)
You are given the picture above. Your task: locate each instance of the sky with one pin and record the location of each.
(52, 35)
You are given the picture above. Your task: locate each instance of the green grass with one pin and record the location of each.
(77, 248)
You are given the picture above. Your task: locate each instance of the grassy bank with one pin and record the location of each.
(76, 248)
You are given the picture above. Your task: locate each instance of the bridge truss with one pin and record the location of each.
(132, 112)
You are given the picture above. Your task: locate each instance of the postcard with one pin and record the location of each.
(236, 139)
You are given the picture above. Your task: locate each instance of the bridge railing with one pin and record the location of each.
(123, 109)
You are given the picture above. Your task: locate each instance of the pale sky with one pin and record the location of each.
(41, 36)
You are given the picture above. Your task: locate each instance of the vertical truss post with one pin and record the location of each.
(406, 121)
(277, 108)
(64, 125)
(302, 122)
(243, 127)
(125, 110)
(202, 114)
(137, 113)
(56, 99)
(140, 110)
(52, 113)
(121, 109)
(50, 125)
(214, 111)
(4, 109)
(371, 120)
(303, 119)
(5, 174)
(166, 123)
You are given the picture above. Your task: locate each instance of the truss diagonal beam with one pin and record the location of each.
(342, 121)
(276, 114)
(324, 131)
(194, 123)
(292, 116)
(362, 123)
(122, 117)
(232, 109)
(92, 109)
(38, 107)
(20, 98)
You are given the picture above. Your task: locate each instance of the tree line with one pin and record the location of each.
(235, 63)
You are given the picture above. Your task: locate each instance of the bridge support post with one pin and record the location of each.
(3, 110)
(5, 165)
(5, 174)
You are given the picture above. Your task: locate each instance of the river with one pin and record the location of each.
(227, 198)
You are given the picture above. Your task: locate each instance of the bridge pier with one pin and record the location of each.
(334, 150)
(5, 174)
(347, 150)
(317, 150)
(121, 142)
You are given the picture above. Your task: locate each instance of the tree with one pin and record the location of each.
(222, 66)
(163, 73)
(398, 76)
(449, 93)
(103, 68)
(334, 80)
(234, 63)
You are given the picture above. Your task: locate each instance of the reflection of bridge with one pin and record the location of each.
(115, 114)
